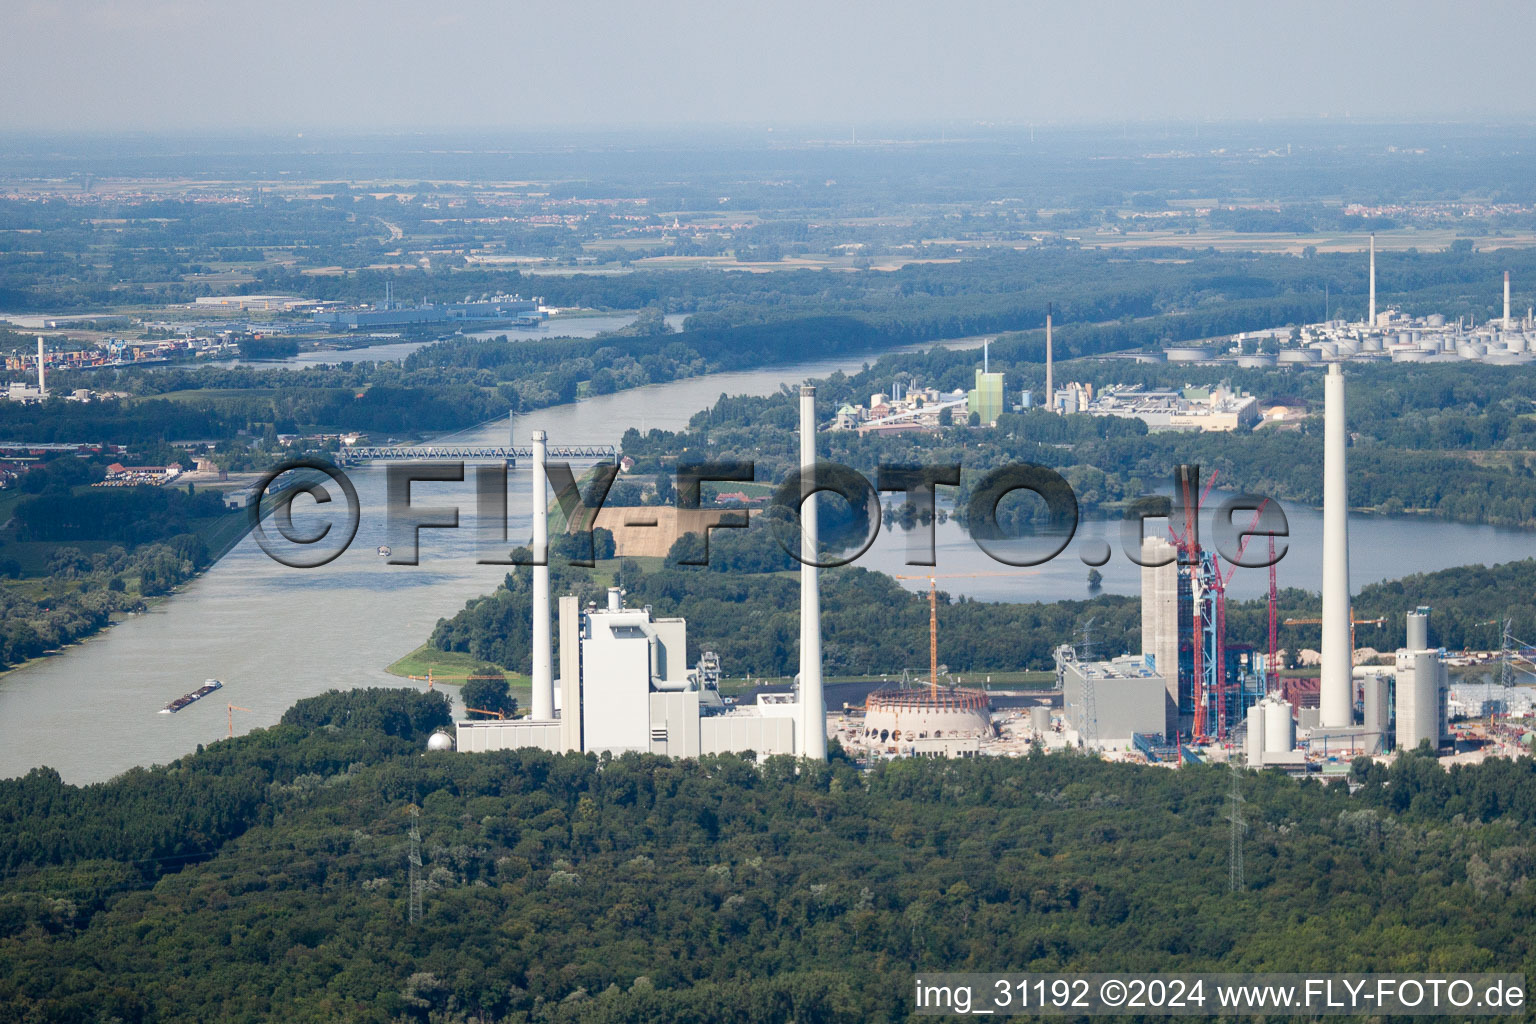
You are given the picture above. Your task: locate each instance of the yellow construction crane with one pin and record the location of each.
(483, 711)
(431, 677)
(933, 613)
(1353, 622)
(232, 709)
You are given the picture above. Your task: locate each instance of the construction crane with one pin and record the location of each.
(1210, 609)
(1353, 622)
(1270, 663)
(933, 614)
(484, 711)
(232, 709)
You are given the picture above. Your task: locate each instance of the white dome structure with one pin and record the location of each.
(440, 741)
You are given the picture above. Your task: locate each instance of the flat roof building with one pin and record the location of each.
(1107, 703)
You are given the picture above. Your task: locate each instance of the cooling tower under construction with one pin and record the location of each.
(1336, 705)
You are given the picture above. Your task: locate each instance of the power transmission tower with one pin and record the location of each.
(415, 866)
(1090, 699)
(1235, 815)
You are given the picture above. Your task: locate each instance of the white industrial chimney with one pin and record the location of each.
(1372, 320)
(42, 381)
(1336, 706)
(812, 740)
(1050, 382)
(1508, 324)
(543, 670)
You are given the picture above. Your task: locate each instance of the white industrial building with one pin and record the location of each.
(1106, 703)
(625, 685)
(1192, 408)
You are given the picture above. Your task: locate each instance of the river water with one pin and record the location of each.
(275, 634)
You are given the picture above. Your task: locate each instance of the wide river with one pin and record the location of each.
(275, 634)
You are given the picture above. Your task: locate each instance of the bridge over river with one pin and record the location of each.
(473, 453)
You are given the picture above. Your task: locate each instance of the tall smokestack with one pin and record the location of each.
(1335, 699)
(543, 670)
(813, 705)
(1507, 324)
(42, 381)
(1050, 381)
(1372, 320)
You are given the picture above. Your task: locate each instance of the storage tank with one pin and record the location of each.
(1349, 348)
(1418, 629)
(1376, 704)
(1325, 349)
(1040, 719)
(1186, 354)
(1409, 355)
(1403, 338)
(1470, 351)
(1256, 735)
(1279, 728)
(1435, 320)
(1299, 355)
(1419, 698)
(1372, 344)
(1257, 362)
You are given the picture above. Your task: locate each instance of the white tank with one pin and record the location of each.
(1186, 354)
(1256, 362)
(1279, 728)
(1371, 344)
(1418, 630)
(1376, 703)
(1409, 355)
(1326, 349)
(1299, 355)
(1469, 351)
(1255, 744)
(1349, 348)
(440, 741)
(1040, 719)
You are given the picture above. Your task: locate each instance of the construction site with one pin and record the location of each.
(1189, 695)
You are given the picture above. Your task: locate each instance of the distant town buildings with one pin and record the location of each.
(119, 475)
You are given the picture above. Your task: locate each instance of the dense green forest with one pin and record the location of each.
(266, 877)
(76, 556)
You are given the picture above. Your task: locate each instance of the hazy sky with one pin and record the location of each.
(370, 65)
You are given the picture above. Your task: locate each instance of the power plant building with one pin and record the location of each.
(1107, 703)
(986, 398)
(624, 684)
